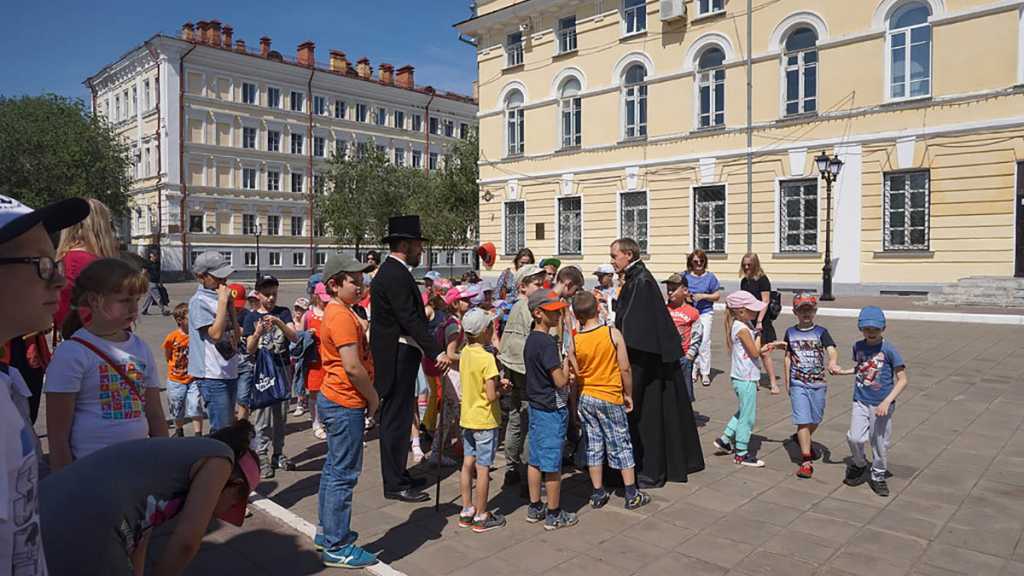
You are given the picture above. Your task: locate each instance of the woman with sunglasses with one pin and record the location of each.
(754, 281)
(705, 287)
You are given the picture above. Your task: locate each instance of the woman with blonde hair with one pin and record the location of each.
(80, 244)
(754, 281)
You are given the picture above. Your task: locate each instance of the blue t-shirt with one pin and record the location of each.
(705, 284)
(875, 371)
(808, 355)
(208, 358)
(540, 355)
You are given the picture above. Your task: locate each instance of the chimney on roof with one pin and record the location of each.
(265, 46)
(387, 74)
(404, 77)
(228, 34)
(240, 46)
(187, 31)
(306, 54)
(364, 69)
(339, 63)
(215, 39)
(202, 30)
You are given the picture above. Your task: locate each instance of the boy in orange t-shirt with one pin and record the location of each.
(183, 396)
(346, 396)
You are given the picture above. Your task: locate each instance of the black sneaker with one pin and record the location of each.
(879, 487)
(179, 432)
(722, 447)
(536, 514)
(639, 499)
(493, 521)
(281, 462)
(855, 475)
(599, 499)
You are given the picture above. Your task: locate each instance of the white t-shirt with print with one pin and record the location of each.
(21, 545)
(743, 366)
(107, 409)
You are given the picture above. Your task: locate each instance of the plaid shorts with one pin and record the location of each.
(607, 431)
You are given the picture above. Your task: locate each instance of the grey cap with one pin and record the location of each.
(338, 263)
(212, 263)
(476, 321)
(527, 271)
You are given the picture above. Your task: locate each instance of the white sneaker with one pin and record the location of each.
(417, 454)
(299, 410)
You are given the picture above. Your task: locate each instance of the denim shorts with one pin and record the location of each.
(808, 404)
(480, 444)
(546, 438)
(184, 401)
(244, 386)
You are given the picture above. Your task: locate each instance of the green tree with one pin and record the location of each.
(51, 148)
(450, 205)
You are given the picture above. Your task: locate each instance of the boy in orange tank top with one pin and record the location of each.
(604, 374)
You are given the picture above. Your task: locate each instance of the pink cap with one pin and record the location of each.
(321, 291)
(744, 299)
(465, 291)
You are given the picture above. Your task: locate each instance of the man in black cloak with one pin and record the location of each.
(664, 435)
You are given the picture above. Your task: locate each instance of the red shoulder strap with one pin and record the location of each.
(117, 367)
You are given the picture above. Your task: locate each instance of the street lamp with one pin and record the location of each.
(259, 230)
(829, 169)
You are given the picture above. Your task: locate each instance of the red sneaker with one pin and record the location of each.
(805, 470)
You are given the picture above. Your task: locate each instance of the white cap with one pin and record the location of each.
(604, 269)
(476, 321)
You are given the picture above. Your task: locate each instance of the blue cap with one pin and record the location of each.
(433, 275)
(871, 317)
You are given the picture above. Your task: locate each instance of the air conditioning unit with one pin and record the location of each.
(672, 10)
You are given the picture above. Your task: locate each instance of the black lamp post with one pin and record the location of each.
(259, 230)
(829, 168)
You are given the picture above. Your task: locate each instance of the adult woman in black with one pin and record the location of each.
(754, 281)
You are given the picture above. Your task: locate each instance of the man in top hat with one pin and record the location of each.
(399, 339)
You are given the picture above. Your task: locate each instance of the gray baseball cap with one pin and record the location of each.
(212, 263)
(476, 321)
(527, 271)
(338, 263)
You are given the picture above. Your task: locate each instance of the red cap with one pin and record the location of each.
(804, 299)
(237, 294)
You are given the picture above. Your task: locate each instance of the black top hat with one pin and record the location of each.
(404, 228)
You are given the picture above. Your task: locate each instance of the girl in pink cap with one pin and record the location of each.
(745, 344)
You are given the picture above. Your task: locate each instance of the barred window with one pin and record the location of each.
(570, 225)
(907, 211)
(798, 206)
(515, 226)
(633, 217)
(709, 218)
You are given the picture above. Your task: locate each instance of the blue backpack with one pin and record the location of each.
(270, 384)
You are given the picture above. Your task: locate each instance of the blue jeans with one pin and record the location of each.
(686, 366)
(244, 392)
(344, 461)
(219, 396)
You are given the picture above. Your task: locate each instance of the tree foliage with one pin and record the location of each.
(51, 148)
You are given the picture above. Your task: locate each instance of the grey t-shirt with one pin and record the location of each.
(94, 512)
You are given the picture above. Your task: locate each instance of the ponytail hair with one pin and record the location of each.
(101, 277)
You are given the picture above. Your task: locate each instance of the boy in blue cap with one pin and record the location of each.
(880, 376)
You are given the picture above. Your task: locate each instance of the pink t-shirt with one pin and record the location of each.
(74, 262)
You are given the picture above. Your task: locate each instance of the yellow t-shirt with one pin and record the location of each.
(476, 366)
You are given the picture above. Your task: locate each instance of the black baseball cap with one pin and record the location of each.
(266, 281)
(17, 218)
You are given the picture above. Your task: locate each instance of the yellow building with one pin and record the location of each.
(608, 118)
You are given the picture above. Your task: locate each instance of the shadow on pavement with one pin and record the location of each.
(254, 551)
(422, 526)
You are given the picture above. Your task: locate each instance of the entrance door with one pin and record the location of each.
(1020, 220)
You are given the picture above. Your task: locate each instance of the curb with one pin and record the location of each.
(959, 317)
(307, 529)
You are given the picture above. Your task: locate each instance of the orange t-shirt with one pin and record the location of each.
(598, 360)
(341, 327)
(177, 364)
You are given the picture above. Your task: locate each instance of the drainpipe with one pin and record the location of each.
(426, 119)
(92, 90)
(181, 159)
(750, 129)
(309, 166)
(159, 191)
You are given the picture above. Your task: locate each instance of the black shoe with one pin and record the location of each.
(512, 477)
(599, 499)
(855, 475)
(879, 487)
(407, 495)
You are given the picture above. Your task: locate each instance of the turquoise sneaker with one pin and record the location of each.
(350, 556)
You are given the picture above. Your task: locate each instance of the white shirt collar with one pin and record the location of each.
(402, 260)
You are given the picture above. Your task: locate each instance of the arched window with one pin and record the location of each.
(801, 58)
(570, 105)
(711, 87)
(514, 129)
(634, 100)
(910, 52)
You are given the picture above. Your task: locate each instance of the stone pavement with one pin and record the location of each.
(957, 505)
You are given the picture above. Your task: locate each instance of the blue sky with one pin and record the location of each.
(54, 46)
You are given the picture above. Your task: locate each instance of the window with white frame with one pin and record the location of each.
(798, 216)
(399, 156)
(570, 105)
(145, 94)
(228, 256)
(449, 127)
(273, 225)
(249, 178)
(634, 16)
(296, 182)
(297, 225)
(801, 70)
(135, 100)
(362, 150)
(341, 148)
(463, 130)
(273, 97)
(249, 224)
(193, 254)
(296, 100)
(435, 257)
(634, 101)
(296, 143)
(382, 150)
(711, 87)
(248, 93)
(709, 218)
(910, 52)
(464, 258)
(907, 211)
(273, 141)
(448, 257)
(705, 7)
(298, 259)
(435, 125)
(514, 123)
(248, 137)
(567, 34)
(380, 117)
(196, 224)
(570, 225)
(633, 217)
(515, 226)
(417, 158)
(514, 49)
(273, 180)
(249, 258)
(274, 257)
(319, 146)
(398, 119)
(321, 258)
(320, 105)
(417, 123)
(433, 160)
(362, 111)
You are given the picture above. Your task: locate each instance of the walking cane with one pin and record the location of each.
(438, 448)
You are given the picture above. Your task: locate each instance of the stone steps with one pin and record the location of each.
(993, 291)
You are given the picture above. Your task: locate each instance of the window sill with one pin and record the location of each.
(796, 255)
(717, 256)
(567, 150)
(632, 140)
(632, 35)
(709, 16)
(912, 100)
(560, 55)
(708, 130)
(800, 117)
(513, 68)
(900, 254)
(569, 257)
(515, 156)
